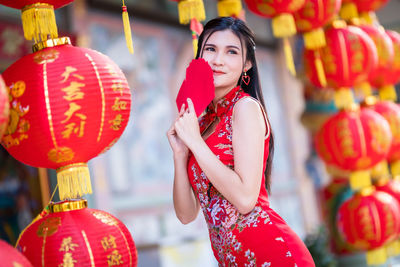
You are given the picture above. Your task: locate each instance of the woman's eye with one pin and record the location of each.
(231, 51)
(209, 48)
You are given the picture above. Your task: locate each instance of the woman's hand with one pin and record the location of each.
(178, 147)
(187, 126)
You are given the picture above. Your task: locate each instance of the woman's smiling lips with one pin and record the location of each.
(218, 72)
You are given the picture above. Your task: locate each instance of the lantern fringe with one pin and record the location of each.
(127, 28)
(288, 56)
(228, 8)
(348, 11)
(359, 180)
(320, 68)
(393, 248)
(376, 256)
(73, 181)
(189, 9)
(343, 98)
(388, 92)
(283, 25)
(380, 170)
(39, 22)
(314, 39)
(395, 169)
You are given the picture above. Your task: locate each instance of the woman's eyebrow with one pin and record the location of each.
(228, 46)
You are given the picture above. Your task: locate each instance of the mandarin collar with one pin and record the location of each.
(222, 104)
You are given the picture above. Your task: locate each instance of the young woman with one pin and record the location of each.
(223, 160)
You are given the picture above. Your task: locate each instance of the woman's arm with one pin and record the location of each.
(240, 186)
(186, 204)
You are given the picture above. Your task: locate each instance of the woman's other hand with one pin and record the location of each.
(178, 147)
(187, 126)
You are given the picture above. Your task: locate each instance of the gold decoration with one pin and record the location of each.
(228, 8)
(105, 218)
(359, 180)
(68, 206)
(51, 43)
(49, 226)
(61, 154)
(73, 181)
(189, 9)
(46, 56)
(376, 256)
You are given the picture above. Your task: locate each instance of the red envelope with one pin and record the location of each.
(198, 86)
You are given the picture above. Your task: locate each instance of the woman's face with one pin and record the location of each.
(223, 51)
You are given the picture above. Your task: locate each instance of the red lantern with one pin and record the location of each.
(4, 107)
(348, 58)
(394, 71)
(10, 257)
(70, 106)
(391, 112)
(354, 8)
(283, 24)
(379, 77)
(369, 220)
(354, 140)
(74, 235)
(38, 19)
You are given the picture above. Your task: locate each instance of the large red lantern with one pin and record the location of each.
(74, 235)
(368, 221)
(10, 257)
(379, 77)
(70, 106)
(283, 24)
(38, 19)
(347, 59)
(354, 141)
(309, 20)
(4, 107)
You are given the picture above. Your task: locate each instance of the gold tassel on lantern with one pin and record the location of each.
(360, 180)
(348, 11)
(376, 256)
(228, 8)
(395, 169)
(127, 27)
(284, 26)
(39, 22)
(388, 92)
(320, 68)
(344, 99)
(189, 9)
(73, 181)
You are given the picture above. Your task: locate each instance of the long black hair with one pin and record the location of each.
(246, 37)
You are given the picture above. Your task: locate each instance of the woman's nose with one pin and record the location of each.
(218, 59)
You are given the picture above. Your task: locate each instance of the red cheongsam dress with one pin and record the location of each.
(259, 238)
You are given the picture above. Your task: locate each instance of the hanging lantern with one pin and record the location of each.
(74, 235)
(368, 221)
(354, 141)
(71, 105)
(10, 257)
(309, 20)
(38, 19)
(361, 8)
(394, 71)
(347, 60)
(229, 8)
(283, 25)
(379, 77)
(192, 12)
(4, 107)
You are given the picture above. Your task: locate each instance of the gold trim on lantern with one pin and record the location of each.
(395, 168)
(73, 181)
(348, 11)
(376, 256)
(344, 99)
(51, 43)
(360, 180)
(283, 25)
(103, 99)
(393, 248)
(92, 264)
(314, 39)
(339, 24)
(367, 191)
(68, 205)
(368, 17)
(380, 170)
(39, 22)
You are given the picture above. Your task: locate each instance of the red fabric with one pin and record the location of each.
(198, 86)
(259, 238)
(10, 257)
